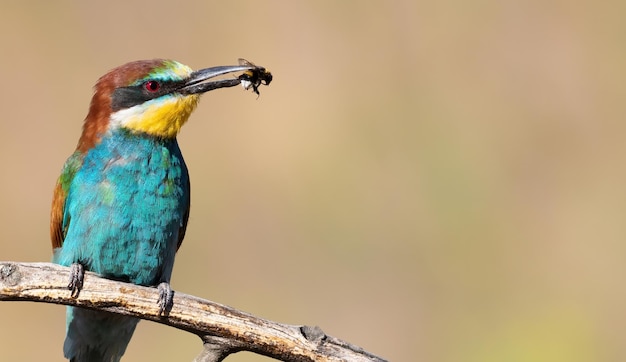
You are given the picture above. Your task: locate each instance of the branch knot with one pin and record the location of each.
(10, 274)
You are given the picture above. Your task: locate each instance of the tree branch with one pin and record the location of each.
(223, 330)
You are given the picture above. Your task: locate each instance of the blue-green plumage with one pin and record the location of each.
(126, 205)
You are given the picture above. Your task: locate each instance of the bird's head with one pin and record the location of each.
(152, 97)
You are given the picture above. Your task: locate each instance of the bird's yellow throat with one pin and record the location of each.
(161, 117)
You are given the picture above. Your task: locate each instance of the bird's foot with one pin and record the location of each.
(166, 298)
(77, 275)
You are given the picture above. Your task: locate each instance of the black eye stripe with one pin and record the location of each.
(126, 97)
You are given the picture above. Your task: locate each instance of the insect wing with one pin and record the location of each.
(246, 63)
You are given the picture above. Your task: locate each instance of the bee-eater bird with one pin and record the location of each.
(121, 204)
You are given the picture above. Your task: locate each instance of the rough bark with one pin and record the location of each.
(222, 329)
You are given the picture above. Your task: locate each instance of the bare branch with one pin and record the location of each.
(223, 330)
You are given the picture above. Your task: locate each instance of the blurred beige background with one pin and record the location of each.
(433, 181)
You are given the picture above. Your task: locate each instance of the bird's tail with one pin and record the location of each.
(96, 336)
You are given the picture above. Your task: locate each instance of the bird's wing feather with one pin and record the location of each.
(59, 222)
(183, 227)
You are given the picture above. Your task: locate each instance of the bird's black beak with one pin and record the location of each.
(198, 83)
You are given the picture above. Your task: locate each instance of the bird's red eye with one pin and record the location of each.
(152, 86)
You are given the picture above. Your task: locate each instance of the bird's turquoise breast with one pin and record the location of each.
(125, 207)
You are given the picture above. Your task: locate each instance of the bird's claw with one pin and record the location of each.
(166, 298)
(77, 276)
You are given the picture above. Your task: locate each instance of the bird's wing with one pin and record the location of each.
(59, 221)
(183, 226)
